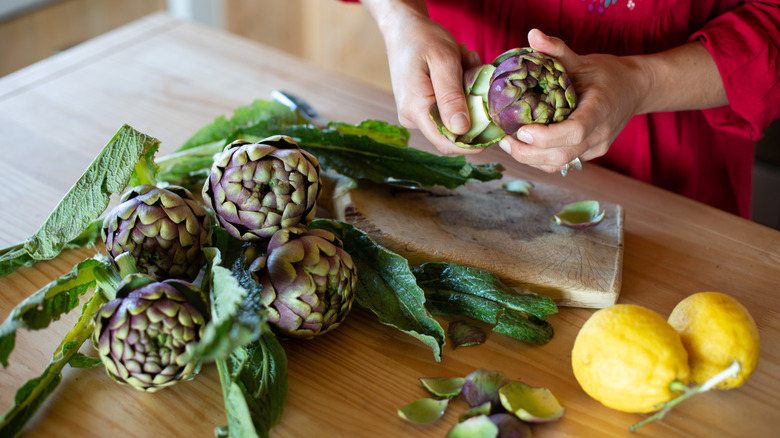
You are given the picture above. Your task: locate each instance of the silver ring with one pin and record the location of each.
(574, 164)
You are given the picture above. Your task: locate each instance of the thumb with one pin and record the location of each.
(447, 81)
(551, 46)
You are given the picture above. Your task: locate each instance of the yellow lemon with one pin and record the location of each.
(716, 330)
(629, 358)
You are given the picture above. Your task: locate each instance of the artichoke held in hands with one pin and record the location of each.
(308, 282)
(164, 230)
(520, 87)
(143, 334)
(258, 188)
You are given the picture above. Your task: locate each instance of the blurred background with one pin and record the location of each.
(331, 34)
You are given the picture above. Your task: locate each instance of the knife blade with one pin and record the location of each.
(296, 103)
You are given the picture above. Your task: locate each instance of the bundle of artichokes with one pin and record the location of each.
(259, 188)
(308, 281)
(164, 230)
(142, 335)
(266, 193)
(520, 87)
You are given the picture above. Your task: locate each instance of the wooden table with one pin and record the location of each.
(167, 79)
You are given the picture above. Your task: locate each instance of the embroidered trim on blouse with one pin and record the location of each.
(601, 6)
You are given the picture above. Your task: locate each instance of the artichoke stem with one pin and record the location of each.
(126, 264)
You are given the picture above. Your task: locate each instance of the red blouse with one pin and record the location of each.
(705, 155)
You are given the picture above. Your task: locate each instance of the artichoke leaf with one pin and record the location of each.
(443, 386)
(372, 149)
(580, 215)
(254, 387)
(235, 321)
(33, 393)
(109, 173)
(258, 117)
(479, 426)
(456, 290)
(443, 277)
(60, 296)
(424, 410)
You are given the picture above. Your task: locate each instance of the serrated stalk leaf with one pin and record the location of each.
(254, 387)
(15, 256)
(79, 360)
(12, 258)
(47, 304)
(34, 392)
(371, 150)
(108, 174)
(235, 321)
(456, 290)
(259, 116)
(452, 278)
(386, 286)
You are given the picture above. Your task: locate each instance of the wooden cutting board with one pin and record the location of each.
(484, 226)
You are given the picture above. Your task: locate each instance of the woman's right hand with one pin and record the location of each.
(426, 67)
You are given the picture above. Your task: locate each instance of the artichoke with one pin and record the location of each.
(143, 334)
(164, 230)
(259, 188)
(308, 281)
(520, 87)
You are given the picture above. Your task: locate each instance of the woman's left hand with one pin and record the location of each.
(610, 90)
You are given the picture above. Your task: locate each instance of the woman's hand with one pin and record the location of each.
(426, 67)
(611, 90)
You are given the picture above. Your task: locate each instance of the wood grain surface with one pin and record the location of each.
(167, 79)
(482, 225)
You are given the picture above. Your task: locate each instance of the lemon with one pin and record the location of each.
(629, 358)
(716, 330)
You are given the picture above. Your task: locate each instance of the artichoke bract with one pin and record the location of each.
(308, 282)
(142, 335)
(163, 229)
(256, 189)
(520, 87)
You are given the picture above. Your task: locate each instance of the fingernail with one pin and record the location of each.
(524, 136)
(459, 123)
(505, 146)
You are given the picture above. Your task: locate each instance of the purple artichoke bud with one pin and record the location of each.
(529, 87)
(143, 334)
(519, 87)
(308, 282)
(259, 188)
(164, 230)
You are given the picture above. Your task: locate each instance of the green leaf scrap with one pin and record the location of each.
(386, 286)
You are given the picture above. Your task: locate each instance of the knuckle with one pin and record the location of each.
(577, 133)
(450, 98)
(561, 157)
